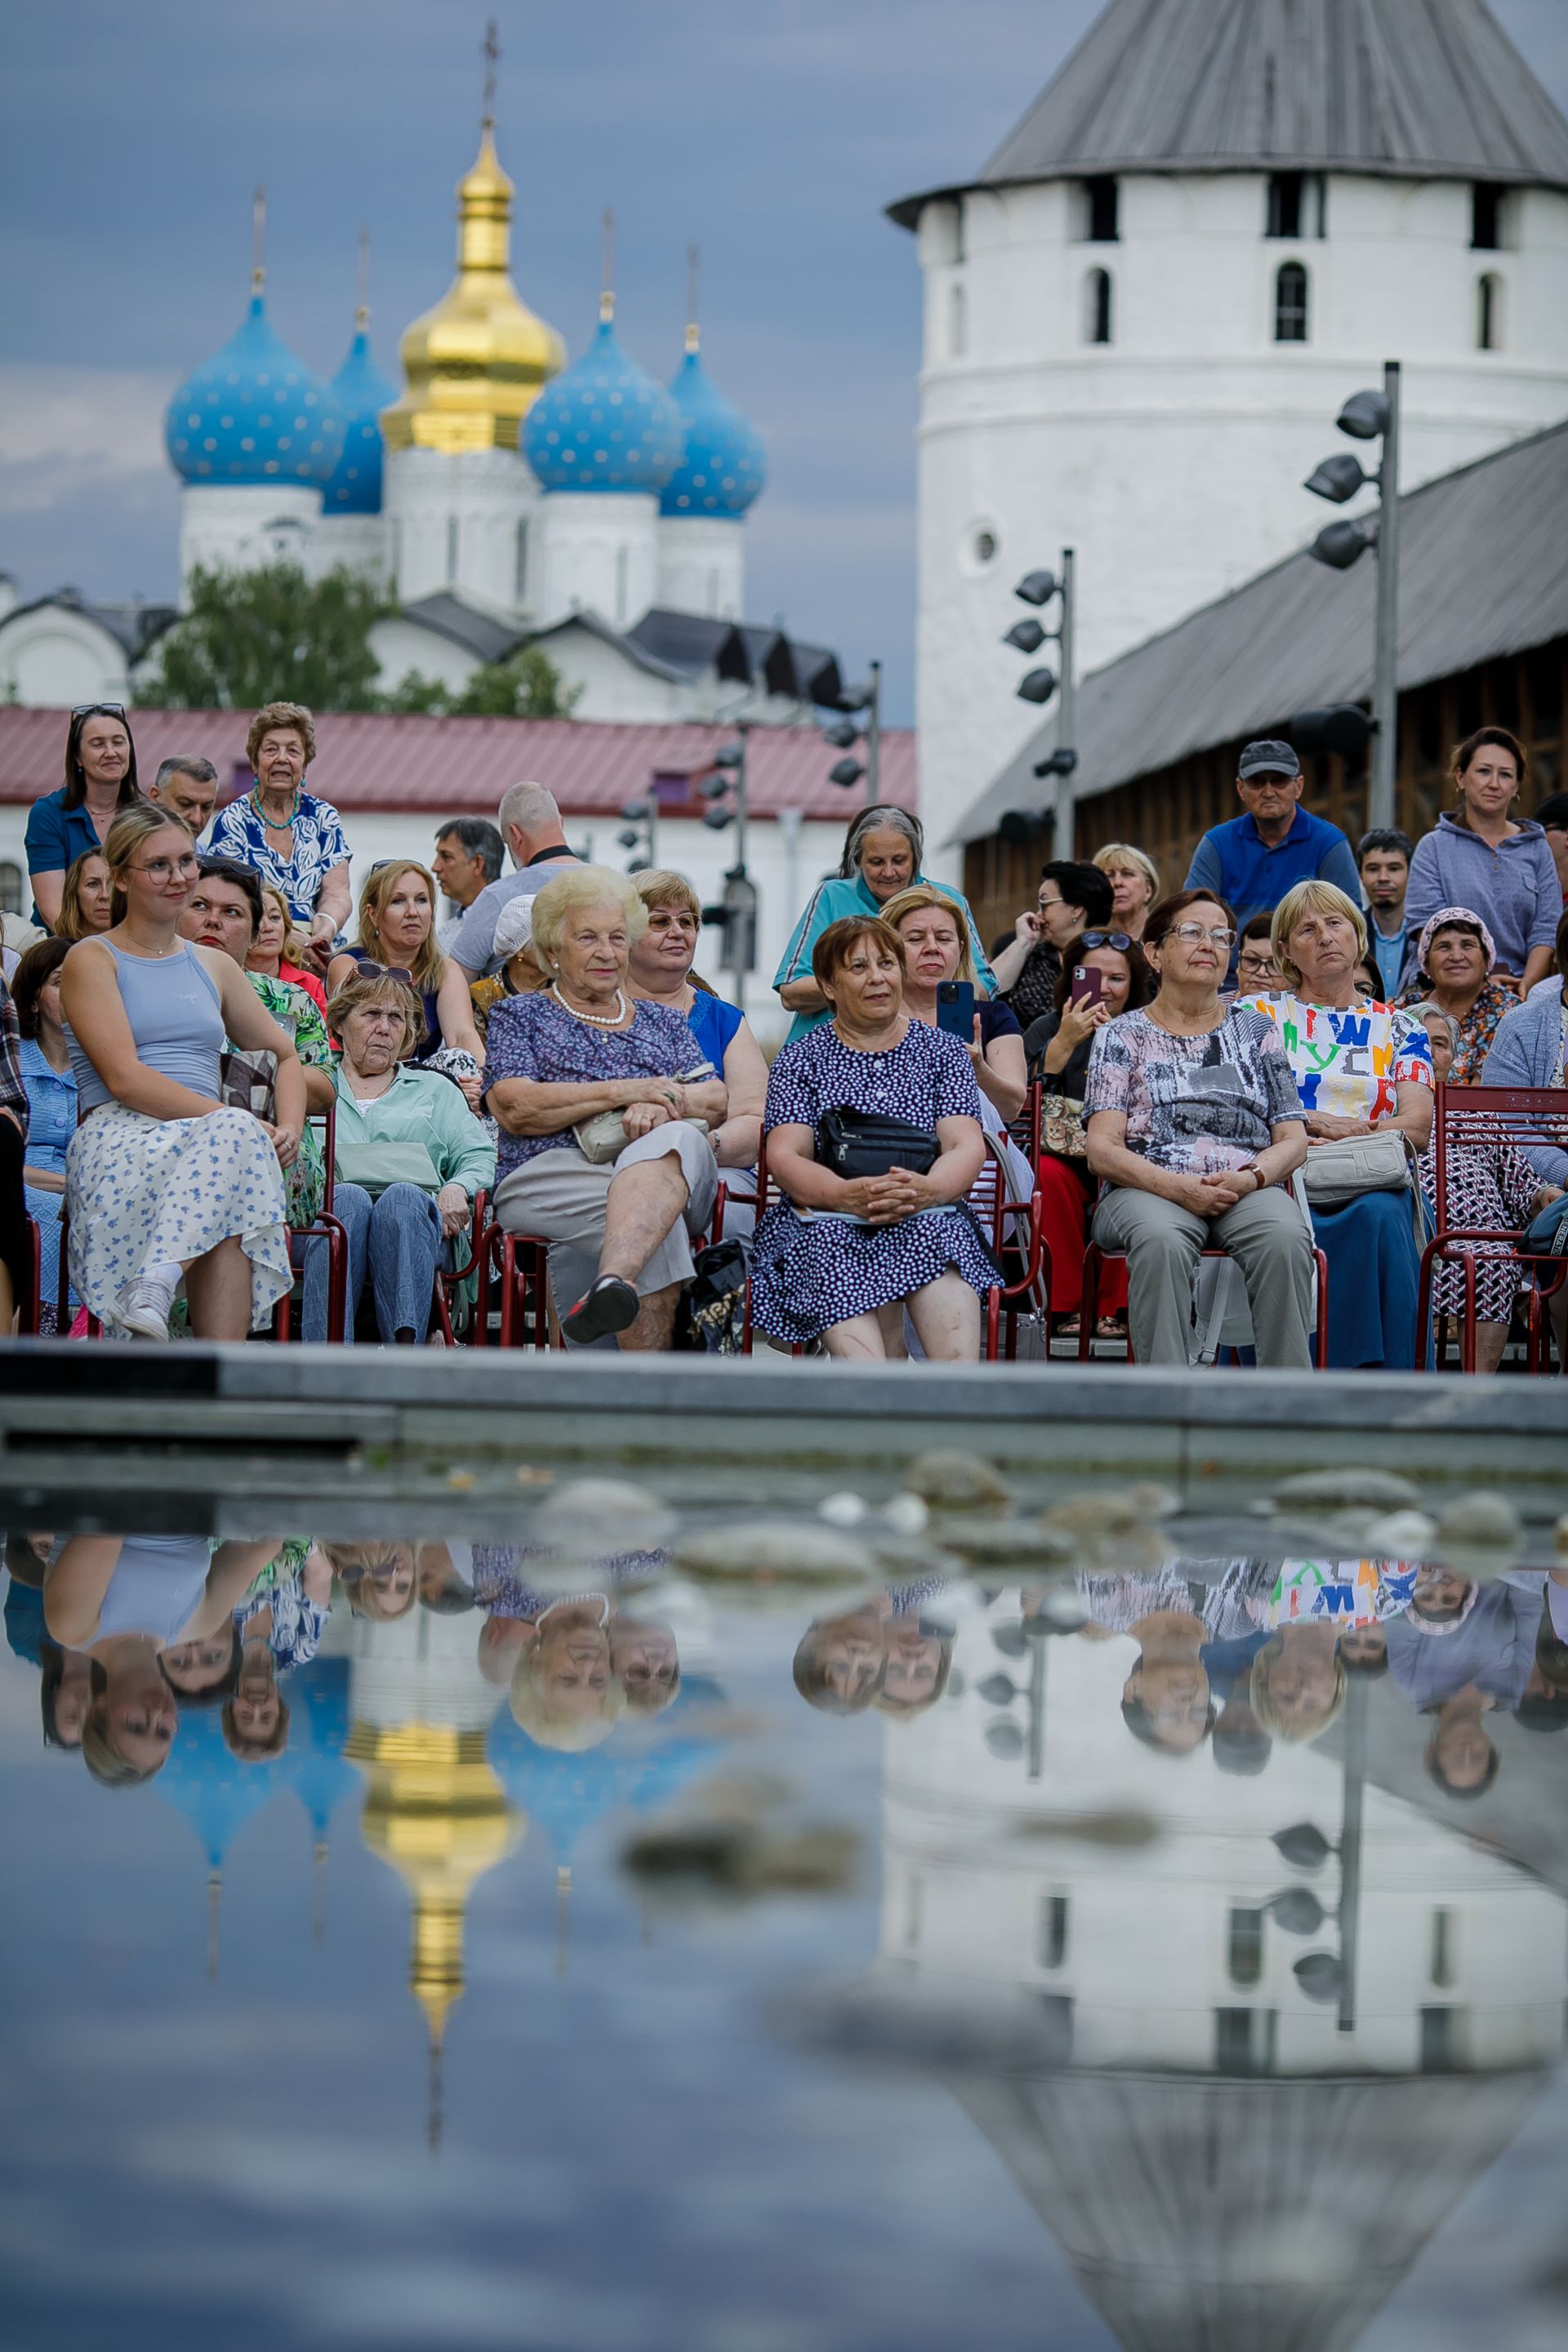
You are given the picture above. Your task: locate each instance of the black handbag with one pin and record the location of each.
(868, 1143)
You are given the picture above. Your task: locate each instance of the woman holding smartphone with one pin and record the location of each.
(936, 951)
(1103, 973)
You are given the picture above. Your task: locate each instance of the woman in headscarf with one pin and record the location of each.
(1453, 962)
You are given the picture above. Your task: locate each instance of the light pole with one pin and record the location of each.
(845, 733)
(640, 832)
(737, 911)
(1372, 416)
(1039, 685)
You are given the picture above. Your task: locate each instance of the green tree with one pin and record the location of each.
(251, 638)
(527, 684)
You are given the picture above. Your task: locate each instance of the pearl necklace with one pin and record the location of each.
(578, 1601)
(595, 1020)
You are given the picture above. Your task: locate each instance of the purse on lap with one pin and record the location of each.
(603, 1137)
(868, 1143)
(1340, 1170)
(375, 1167)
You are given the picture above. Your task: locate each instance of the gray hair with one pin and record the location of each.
(480, 838)
(882, 818)
(1429, 1013)
(200, 771)
(531, 807)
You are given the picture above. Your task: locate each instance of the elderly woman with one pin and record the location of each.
(277, 947)
(398, 933)
(101, 780)
(1481, 856)
(1134, 885)
(410, 1157)
(659, 973)
(1194, 1125)
(839, 1257)
(936, 949)
(1453, 965)
(1058, 1047)
(605, 1104)
(290, 836)
(163, 1183)
(46, 1066)
(882, 854)
(84, 899)
(1362, 1069)
(1489, 1188)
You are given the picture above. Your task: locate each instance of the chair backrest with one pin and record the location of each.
(1483, 1117)
(328, 1121)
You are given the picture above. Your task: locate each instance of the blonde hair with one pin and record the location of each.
(1121, 858)
(294, 941)
(914, 901)
(104, 1760)
(531, 1712)
(274, 717)
(1295, 1729)
(131, 828)
(378, 988)
(429, 963)
(582, 886)
(354, 1564)
(661, 886)
(70, 923)
(1311, 899)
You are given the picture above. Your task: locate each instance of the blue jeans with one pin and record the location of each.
(397, 1241)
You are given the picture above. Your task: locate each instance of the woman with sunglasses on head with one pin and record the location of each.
(1194, 1125)
(101, 780)
(277, 947)
(163, 1183)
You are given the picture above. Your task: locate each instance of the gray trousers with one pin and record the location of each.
(1266, 1236)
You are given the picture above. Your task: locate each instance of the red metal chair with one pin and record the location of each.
(1014, 1230)
(1094, 1258)
(446, 1294)
(327, 1228)
(1480, 1117)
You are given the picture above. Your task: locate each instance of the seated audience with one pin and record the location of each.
(883, 852)
(839, 1259)
(1255, 972)
(410, 1157)
(398, 933)
(46, 1074)
(1134, 885)
(1362, 1068)
(561, 1061)
(1528, 1050)
(188, 788)
(1453, 962)
(1071, 898)
(936, 950)
(15, 1241)
(1489, 1188)
(659, 973)
(1297, 1684)
(529, 822)
(1058, 1047)
(163, 1183)
(84, 899)
(289, 836)
(1383, 861)
(256, 1713)
(470, 855)
(1194, 1125)
(100, 782)
(564, 1694)
(278, 950)
(1252, 860)
(1480, 856)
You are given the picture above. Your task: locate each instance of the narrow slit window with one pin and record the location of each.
(1290, 304)
(1245, 1954)
(1096, 310)
(957, 322)
(520, 586)
(451, 550)
(1488, 312)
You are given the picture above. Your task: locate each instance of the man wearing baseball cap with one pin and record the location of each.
(1251, 862)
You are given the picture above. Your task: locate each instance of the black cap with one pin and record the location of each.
(1267, 757)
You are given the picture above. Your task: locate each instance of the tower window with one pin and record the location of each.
(1488, 312)
(1245, 2040)
(520, 585)
(957, 322)
(621, 571)
(1485, 217)
(451, 550)
(1096, 307)
(1053, 1931)
(1290, 304)
(1099, 211)
(1246, 1955)
(1297, 204)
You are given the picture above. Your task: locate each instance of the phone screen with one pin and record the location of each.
(955, 1008)
(1087, 985)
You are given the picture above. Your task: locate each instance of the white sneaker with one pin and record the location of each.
(141, 1307)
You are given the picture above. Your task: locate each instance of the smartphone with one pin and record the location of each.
(955, 1008)
(1087, 985)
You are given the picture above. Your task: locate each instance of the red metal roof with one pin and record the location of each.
(465, 764)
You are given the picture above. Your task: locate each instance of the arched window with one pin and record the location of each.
(1096, 307)
(1291, 303)
(1488, 312)
(957, 322)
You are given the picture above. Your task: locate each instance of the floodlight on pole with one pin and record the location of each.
(844, 772)
(1367, 416)
(843, 734)
(1037, 587)
(1372, 415)
(1338, 479)
(1027, 636)
(1037, 686)
(1341, 544)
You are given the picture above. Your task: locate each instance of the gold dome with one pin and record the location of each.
(475, 364)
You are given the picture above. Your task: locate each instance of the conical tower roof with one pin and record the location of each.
(1407, 89)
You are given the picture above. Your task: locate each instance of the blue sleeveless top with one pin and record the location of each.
(176, 1020)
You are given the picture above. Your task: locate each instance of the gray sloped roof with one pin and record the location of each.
(133, 628)
(1483, 571)
(482, 634)
(1409, 89)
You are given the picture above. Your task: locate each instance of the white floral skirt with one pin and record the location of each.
(148, 1191)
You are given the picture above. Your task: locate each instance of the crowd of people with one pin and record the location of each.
(222, 1086)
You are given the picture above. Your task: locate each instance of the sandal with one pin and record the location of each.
(1064, 1326)
(611, 1305)
(1112, 1327)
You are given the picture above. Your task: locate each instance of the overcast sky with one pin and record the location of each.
(770, 134)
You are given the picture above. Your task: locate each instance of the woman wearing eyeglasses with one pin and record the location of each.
(163, 1183)
(101, 780)
(1195, 1125)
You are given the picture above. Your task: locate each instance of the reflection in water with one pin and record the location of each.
(1181, 1896)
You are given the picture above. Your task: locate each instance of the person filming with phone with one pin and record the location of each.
(941, 988)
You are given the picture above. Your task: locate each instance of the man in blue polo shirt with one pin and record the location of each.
(1251, 862)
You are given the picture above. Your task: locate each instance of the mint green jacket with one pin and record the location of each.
(422, 1107)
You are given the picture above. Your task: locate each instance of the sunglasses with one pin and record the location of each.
(386, 971)
(1119, 940)
(98, 711)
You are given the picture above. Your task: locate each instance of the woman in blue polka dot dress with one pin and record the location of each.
(839, 1259)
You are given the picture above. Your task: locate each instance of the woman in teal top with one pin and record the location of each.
(882, 854)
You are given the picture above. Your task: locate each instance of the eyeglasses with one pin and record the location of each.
(1192, 932)
(159, 869)
(99, 710)
(1119, 940)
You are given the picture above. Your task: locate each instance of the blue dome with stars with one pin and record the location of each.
(358, 391)
(724, 466)
(604, 424)
(254, 413)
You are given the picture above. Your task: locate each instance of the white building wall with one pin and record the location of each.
(54, 658)
(702, 566)
(468, 521)
(244, 527)
(599, 553)
(350, 543)
(401, 646)
(1172, 459)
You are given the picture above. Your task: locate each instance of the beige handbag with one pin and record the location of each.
(1341, 1169)
(603, 1137)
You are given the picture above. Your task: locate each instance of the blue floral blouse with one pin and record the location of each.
(319, 844)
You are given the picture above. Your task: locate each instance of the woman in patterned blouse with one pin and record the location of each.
(285, 833)
(1454, 963)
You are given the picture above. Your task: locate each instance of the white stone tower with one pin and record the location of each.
(1143, 312)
